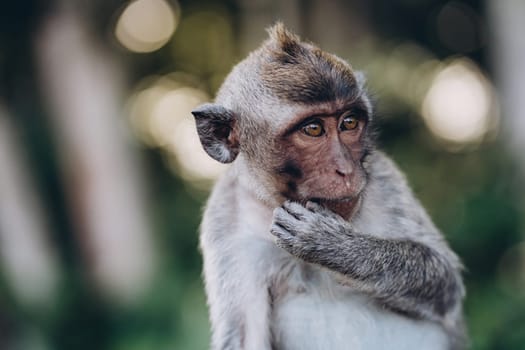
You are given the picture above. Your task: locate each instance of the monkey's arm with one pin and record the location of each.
(237, 294)
(237, 270)
(406, 275)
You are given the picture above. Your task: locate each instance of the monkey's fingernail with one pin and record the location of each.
(287, 205)
(279, 211)
(312, 205)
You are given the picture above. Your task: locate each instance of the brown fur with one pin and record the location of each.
(301, 72)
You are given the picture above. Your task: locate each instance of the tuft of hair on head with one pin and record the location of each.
(301, 72)
(281, 36)
(283, 41)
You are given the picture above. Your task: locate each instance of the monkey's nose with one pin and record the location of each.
(344, 169)
(345, 174)
(342, 161)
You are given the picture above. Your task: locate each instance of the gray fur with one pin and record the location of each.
(283, 275)
(406, 276)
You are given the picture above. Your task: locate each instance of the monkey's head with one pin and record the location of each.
(297, 118)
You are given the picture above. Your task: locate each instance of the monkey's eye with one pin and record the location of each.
(314, 129)
(349, 123)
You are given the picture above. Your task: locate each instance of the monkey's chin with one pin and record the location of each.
(345, 207)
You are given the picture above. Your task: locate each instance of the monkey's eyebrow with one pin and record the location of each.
(359, 111)
(357, 107)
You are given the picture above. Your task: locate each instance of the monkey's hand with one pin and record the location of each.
(404, 275)
(307, 231)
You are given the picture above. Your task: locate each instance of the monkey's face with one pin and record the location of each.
(322, 158)
(299, 117)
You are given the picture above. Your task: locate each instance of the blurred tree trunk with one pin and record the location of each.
(336, 25)
(29, 262)
(83, 85)
(508, 55)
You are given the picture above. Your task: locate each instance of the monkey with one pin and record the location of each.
(313, 239)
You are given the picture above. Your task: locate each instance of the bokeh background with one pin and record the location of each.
(102, 178)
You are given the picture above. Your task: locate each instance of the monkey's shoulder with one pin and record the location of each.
(385, 173)
(233, 212)
(389, 207)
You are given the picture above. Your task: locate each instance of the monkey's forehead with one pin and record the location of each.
(285, 76)
(306, 74)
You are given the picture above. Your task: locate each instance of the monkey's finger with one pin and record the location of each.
(282, 215)
(315, 207)
(287, 221)
(284, 229)
(295, 209)
(320, 209)
(278, 230)
(284, 238)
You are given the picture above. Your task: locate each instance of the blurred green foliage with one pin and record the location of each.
(472, 195)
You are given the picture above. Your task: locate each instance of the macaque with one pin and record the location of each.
(312, 239)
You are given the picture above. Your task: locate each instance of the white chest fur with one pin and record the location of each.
(338, 318)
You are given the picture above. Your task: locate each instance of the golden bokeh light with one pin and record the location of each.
(161, 117)
(147, 25)
(400, 73)
(459, 105)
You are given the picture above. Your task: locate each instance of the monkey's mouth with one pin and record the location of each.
(326, 201)
(344, 206)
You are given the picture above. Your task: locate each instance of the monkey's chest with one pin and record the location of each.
(322, 319)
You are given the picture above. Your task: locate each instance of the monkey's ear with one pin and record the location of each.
(215, 126)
